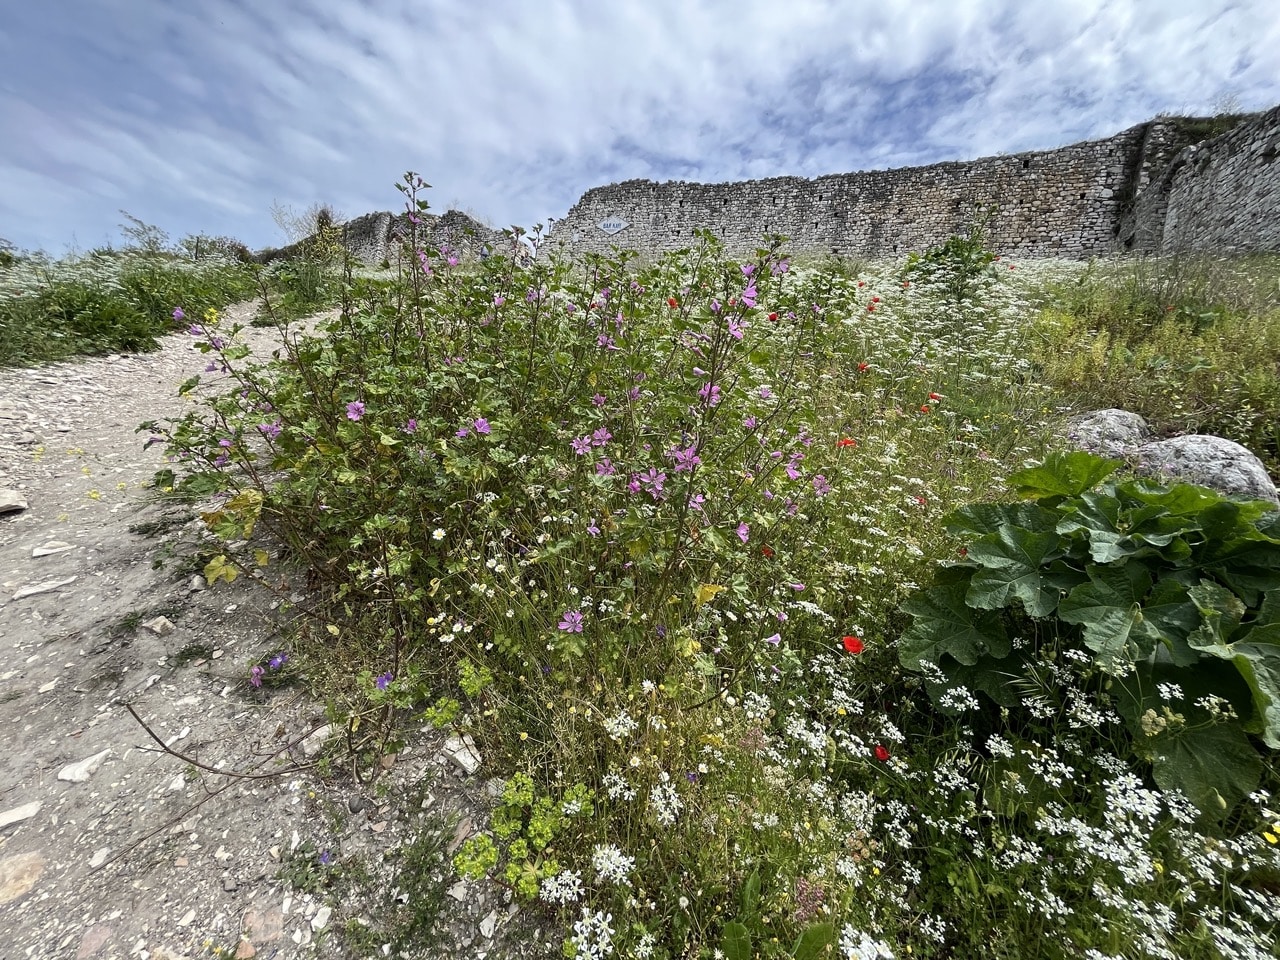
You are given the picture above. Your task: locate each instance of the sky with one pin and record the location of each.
(203, 117)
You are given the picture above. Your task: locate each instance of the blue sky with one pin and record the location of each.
(199, 116)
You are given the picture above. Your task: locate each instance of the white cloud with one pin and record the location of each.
(197, 117)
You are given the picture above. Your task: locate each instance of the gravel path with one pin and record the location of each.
(111, 847)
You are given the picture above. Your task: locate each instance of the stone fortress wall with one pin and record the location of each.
(1168, 184)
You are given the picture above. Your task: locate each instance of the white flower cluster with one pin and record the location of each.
(612, 865)
(615, 784)
(859, 945)
(664, 802)
(620, 726)
(593, 936)
(564, 887)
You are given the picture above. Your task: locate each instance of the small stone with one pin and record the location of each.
(229, 884)
(494, 787)
(197, 584)
(18, 814)
(460, 833)
(11, 501)
(315, 741)
(459, 891)
(177, 783)
(263, 924)
(99, 857)
(47, 687)
(356, 804)
(462, 751)
(18, 874)
(82, 770)
(94, 939)
(188, 918)
(52, 547)
(161, 626)
(245, 951)
(274, 854)
(489, 924)
(321, 919)
(47, 587)
(181, 862)
(216, 655)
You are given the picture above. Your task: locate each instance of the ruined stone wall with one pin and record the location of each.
(1086, 199)
(1224, 194)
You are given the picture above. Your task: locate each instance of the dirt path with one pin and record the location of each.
(112, 848)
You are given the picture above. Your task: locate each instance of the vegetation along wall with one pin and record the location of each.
(1171, 183)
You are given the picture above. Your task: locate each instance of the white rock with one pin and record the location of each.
(99, 857)
(177, 783)
(462, 751)
(1214, 462)
(161, 626)
(52, 547)
(82, 770)
(11, 501)
(489, 924)
(459, 891)
(187, 919)
(321, 919)
(313, 743)
(47, 587)
(18, 814)
(47, 687)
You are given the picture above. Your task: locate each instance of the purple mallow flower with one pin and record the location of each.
(355, 410)
(571, 621)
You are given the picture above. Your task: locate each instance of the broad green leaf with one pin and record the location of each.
(1259, 664)
(946, 626)
(1012, 563)
(1220, 613)
(735, 941)
(1109, 607)
(979, 519)
(1215, 766)
(1062, 475)
(1169, 616)
(814, 942)
(1181, 499)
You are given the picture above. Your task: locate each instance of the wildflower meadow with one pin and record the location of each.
(772, 595)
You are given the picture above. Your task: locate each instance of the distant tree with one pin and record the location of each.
(8, 252)
(298, 226)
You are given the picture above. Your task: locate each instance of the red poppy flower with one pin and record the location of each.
(846, 442)
(773, 317)
(935, 396)
(861, 283)
(881, 753)
(924, 408)
(921, 501)
(871, 308)
(672, 302)
(852, 644)
(875, 299)
(767, 551)
(863, 367)
(905, 284)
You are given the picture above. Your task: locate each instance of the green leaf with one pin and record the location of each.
(751, 894)
(814, 942)
(1215, 766)
(1062, 475)
(1259, 665)
(1169, 616)
(978, 519)
(1220, 612)
(735, 941)
(945, 625)
(1109, 607)
(1012, 562)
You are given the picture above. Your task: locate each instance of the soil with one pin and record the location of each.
(246, 833)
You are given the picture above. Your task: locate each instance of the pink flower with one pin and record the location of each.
(355, 410)
(481, 425)
(744, 532)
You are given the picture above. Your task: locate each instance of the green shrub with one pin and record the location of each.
(1159, 589)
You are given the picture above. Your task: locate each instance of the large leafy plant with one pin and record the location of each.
(1171, 593)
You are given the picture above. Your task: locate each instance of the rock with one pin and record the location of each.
(48, 687)
(229, 884)
(82, 770)
(161, 626)
(197, 584)
(94, 939)
(245, 951)
(18, 874)
(1108, 433)
(18, 814)
(188, 918)
(1214, 462)
(460, 833)
(315, 741)
(263, 924)
(459, 891)
(52, 547)
(99, 857)
(47, 587)
(489, 924)
(321, 919)
(11, 501)
(462, 751)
